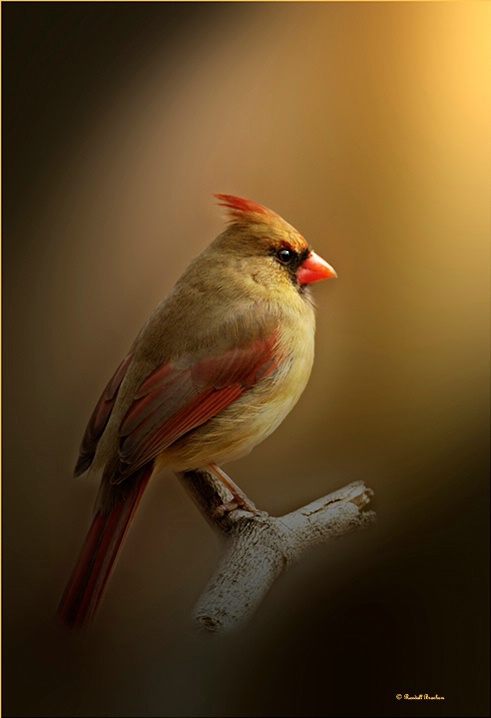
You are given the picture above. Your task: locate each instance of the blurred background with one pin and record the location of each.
(366, 125)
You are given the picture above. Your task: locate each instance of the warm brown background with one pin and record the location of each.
(366, 126)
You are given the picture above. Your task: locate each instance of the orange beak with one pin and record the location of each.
(314, 269)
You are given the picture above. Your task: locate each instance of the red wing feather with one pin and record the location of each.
(203, 408)
(175, 400)
(100, 417)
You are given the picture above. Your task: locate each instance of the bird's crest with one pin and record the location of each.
(246, 211)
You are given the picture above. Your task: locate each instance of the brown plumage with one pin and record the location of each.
(217, 367)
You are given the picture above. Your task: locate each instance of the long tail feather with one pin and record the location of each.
(99, 552)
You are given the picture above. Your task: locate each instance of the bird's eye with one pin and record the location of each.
(285, 255)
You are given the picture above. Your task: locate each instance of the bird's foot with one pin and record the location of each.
(236, 503)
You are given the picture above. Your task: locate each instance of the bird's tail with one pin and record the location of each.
(99, 552)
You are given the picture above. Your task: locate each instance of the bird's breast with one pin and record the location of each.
(260, 410)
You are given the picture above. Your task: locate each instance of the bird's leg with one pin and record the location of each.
(239, 500)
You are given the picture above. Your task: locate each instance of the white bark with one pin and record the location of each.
(259, 547)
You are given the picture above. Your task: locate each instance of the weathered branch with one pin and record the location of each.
(259, 547)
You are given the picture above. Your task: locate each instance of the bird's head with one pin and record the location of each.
(271, 246)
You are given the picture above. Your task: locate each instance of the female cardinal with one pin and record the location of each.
(214, 371)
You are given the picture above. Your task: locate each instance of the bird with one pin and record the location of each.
(216, 368)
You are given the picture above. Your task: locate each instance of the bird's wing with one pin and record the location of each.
(100, 417)
(178, 397)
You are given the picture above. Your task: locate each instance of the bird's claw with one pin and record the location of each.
(236, 503)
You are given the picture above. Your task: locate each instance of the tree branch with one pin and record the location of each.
(259, 547)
